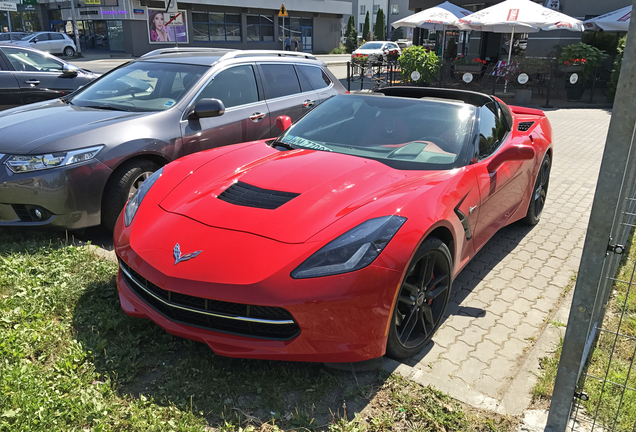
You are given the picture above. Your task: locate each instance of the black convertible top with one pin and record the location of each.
(469, 97)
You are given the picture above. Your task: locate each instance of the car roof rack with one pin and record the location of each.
(247, 53)
(176, 50)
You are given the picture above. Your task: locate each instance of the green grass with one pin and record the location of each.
(72, 360)
(544, 386)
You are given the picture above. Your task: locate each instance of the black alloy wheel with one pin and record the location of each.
(422, 299)
(539, 192)
(122, 185)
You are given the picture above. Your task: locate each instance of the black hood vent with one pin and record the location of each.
(524, 126)
(244, 194)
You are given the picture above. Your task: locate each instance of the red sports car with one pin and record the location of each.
(339, 240)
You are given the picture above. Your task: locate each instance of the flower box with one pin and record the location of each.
(572, 68)
(468, 68)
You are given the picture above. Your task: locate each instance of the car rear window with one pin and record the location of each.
(280, 80)
(315, 76)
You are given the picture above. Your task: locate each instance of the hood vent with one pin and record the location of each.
(524, 126)
(244, 194)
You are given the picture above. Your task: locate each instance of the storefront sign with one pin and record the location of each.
(138, 11)
(117, 12)
(30, 2)
(8, 6)
(26, 7)
(158, 32)
(467, 77)
(88, 12)
(92, 2)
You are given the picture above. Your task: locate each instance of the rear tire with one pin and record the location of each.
(121, 186)
(539, 192)
(69, 51)
(422, 299)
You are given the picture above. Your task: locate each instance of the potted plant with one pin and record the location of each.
(578, 61)
(462, 64)
(419, 59)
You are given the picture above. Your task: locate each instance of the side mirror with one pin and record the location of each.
(512, 153)
(34, 40)
(206, 108)
(283, 123)
(70, 70)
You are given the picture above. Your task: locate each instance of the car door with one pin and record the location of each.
(42, 41)
(57, 43)
(246, 116)
(502, 190)
(39, 77)
(10, 94)
(283, 93)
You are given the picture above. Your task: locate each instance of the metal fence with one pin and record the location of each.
(595, 384)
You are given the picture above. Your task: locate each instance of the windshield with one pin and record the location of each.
(404, 133)
(371, 46)
(141, 86)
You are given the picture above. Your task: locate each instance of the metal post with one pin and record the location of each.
(617, 168)
(349, 76)
(547, 97)
(78, 53)
(593, 84)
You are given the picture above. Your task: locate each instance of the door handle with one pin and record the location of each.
(256, 117)
(308, 103)
(32, 82)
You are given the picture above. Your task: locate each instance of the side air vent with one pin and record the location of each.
(524, 126)
(244, 194)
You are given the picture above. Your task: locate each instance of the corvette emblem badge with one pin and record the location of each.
(176, 252)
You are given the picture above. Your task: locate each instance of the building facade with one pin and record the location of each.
(393, 10)
(138, 26)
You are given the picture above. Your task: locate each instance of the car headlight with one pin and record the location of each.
(353, 250)
(28, 163)
(133, 203)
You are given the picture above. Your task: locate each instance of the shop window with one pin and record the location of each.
(216, 27)
(395, 9)
(376, 8)
(260, 28)
(363, 9)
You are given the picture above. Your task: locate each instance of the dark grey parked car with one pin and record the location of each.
(74, 162)
(28, 75)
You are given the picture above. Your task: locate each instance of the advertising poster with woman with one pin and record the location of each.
(159, 32)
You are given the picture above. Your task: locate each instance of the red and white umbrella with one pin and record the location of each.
(617, 20)
(442, 16)
(445, 14)
(522, 16)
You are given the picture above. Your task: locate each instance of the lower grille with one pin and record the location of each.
(263, 322)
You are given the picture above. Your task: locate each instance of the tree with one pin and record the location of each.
(351, 41)
(379, 32)
(397, 33)
(366, 29)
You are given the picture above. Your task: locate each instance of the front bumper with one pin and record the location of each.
(341, 318)
(67, 197)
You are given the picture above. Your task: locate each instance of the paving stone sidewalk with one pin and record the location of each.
(498, 320)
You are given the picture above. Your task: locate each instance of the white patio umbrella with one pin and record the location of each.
(617, 20)
(518, 15)
(443, 15)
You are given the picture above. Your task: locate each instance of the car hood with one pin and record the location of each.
(44, 127)
(328, 185)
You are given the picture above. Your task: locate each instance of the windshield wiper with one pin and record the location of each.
(104, 107)
(280, 143)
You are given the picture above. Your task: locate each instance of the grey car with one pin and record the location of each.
(74, 162)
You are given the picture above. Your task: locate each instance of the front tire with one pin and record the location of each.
(69, 51)
(422, 299)
(539, 192)
(121, 186)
